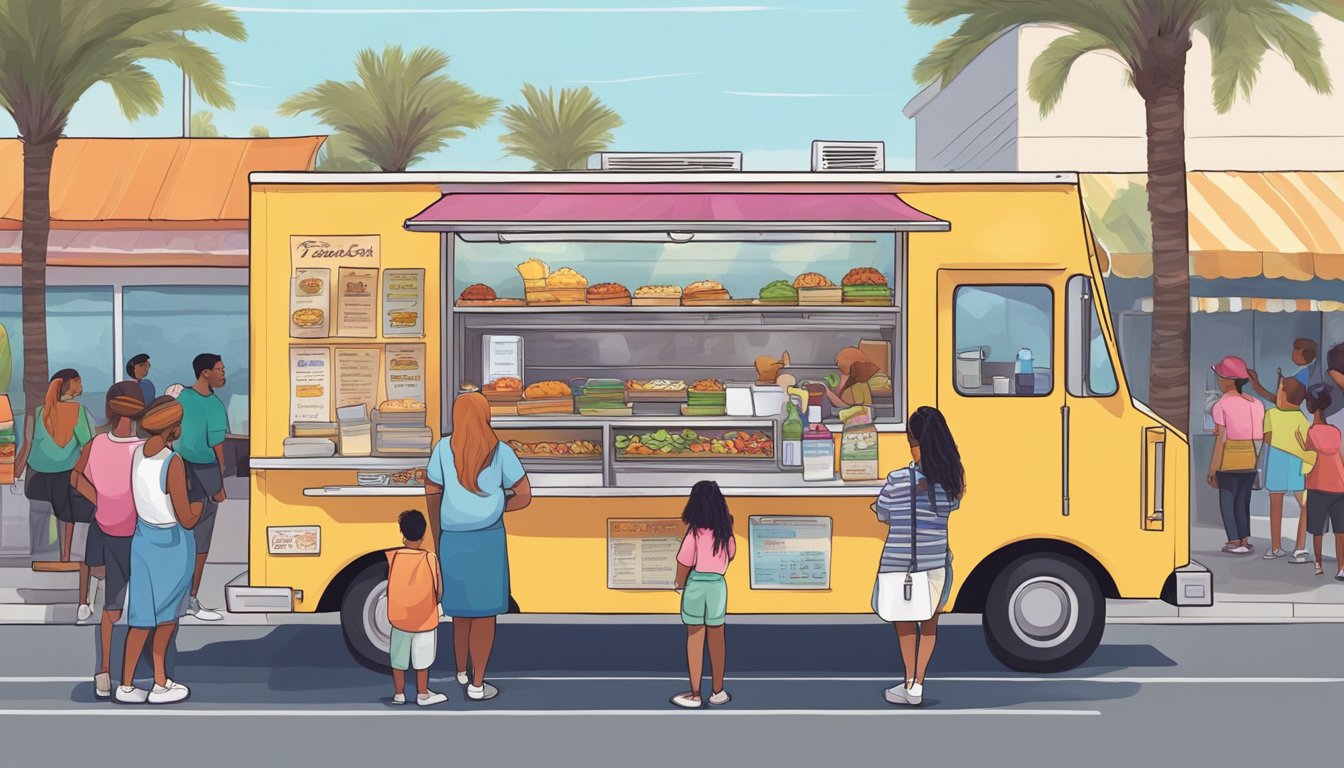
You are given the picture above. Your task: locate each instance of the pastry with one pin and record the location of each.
(864, 276)
(544, 389)
(656, 385)
(505, 384)
(565, 277)
(478, 292)
(658, 292)
(533, 269)
(708, 385)
(812, 280)
(608, 291)
(702, 286)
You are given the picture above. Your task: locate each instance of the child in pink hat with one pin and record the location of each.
(1239, 426)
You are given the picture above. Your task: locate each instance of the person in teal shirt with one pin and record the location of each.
(205, 423)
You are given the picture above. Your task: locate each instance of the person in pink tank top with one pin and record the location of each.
(1325, 482)
(705, 552)
(103, 476)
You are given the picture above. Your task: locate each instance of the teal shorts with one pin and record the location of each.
(413, 650)
(704, 602)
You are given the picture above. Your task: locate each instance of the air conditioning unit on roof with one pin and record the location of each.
(848, 156)
(669, 162)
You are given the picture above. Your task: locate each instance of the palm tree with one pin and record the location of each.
(401, 108)
(1152, 38)
(558, 136)
(259, 132)
(203, 125)
(51, 53)
(337, 155)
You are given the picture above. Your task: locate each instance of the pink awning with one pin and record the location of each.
(507, 212)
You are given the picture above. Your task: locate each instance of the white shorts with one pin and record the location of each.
(413, 650)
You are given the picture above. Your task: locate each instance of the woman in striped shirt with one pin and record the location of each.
(939, 482)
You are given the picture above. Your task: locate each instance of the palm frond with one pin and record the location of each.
(558, 134)
(137, 92)
(1050, 71)
(1241, 32)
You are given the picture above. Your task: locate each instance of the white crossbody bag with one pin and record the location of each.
(907, 596)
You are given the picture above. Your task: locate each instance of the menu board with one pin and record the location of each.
(792, 552)
(310, 304)
(357, 302)
(406, 372)
(310, 384)
(404, 302)
(642, 553)
(501, 356)
(357, 376)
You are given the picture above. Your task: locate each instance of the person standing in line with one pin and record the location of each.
(205, 423)
(162, 552)
(1239, 421)
(414, 587)
(1303, 355)
(1325, 483)
(137, 368)
(54, 435)
(702, 561)
(103, 476)
(934, 484)
(1286, 464)
(472, 479)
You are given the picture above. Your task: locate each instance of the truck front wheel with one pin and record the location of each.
(364, 624)
(1044, 613)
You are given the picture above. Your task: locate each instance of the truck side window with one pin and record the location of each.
(1090, 373)
(1003, 337)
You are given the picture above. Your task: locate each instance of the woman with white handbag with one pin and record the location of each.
(915, 572)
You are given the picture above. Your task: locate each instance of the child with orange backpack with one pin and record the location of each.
(414, 587)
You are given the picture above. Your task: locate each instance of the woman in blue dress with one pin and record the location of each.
(471, 481)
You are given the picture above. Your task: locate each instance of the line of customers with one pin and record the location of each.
(1281, 451)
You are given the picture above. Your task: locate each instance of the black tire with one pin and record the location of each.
(1066, 624)
(365, 641)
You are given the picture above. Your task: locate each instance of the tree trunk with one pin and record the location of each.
(37, 158)
(1164, 100)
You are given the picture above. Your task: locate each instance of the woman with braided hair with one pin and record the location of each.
(163, 552)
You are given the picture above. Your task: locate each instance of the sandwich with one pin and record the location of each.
(308, 317)
(812, 280)
(780, 291)
(403, 363)
(608, 292)
(546, 389)
(7, 453)
(477, 292)
(865, 283)
(703, 288)
(403, 318)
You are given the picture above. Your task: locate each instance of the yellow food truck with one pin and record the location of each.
(636, 333)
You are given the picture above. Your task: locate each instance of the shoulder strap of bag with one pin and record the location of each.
(914, 546)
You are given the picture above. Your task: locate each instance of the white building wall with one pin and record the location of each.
(974, 118)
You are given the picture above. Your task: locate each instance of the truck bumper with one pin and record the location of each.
(239, 597)
(1191, 586)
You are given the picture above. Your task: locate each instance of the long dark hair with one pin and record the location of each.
(939, 459)
(706, 508)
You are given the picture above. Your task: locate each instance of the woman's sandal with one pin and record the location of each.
(1319, 572)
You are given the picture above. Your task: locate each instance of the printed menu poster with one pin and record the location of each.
(404, 302)
(406, 372)
(642, 553)
(357, 377)
(792, 552)
(333, 251)
(309, 307)
(310, 383)
(357, 302)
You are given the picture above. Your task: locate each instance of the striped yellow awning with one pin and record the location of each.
(1242, 224)
(1212, 304)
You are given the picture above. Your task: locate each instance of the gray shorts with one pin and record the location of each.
(114, 554)
(203, 482)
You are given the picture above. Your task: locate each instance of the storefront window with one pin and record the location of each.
(1004, 340)
(79, 336)
(174, 323)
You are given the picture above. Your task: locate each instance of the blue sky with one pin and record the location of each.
(764, 78)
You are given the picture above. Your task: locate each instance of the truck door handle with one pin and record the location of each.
(1064, 419)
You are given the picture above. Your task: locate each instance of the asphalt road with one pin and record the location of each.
(597, 695)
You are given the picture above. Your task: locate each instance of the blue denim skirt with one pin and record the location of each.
(163, 561)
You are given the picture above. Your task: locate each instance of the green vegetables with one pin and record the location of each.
(779, 290)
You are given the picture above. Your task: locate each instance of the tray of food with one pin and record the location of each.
(479, 295)
(815, 289)
(546, 397)
(688, 444)
(655, 390)
(657, 296)
(572, 449)
(865, 286)
(543, 286)
(706, 397)
(705, 293)
(505, 389)
(608, 295)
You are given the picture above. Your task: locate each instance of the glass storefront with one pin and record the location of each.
(79, 336)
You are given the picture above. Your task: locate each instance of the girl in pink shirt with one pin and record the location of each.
(1239, 419)
(703, 559)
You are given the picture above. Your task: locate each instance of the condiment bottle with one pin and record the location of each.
(791, 436)
(816, 392)
(818, 454)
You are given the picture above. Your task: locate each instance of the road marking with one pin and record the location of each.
(149, 711)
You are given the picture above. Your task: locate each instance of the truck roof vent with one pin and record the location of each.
(848, 156)
(669, 162)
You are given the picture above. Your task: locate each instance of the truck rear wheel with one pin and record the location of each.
(368, 635)
(1044, 613)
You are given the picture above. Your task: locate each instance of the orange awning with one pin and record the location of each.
(1242, 224)
(151, 183)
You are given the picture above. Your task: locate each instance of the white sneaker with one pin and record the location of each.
(484, 693)
(687, 700)
(169, 694)
(463, 678)
(430, 698)
(130, 695)
(914, 695)
(83, 613)
(102, 685)
(400, 698)
(720, 698)
(202, 614)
